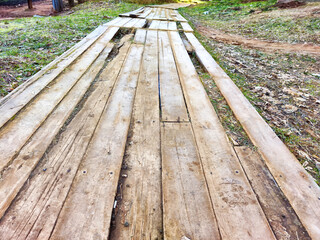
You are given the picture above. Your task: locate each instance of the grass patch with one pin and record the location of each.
(28, 44)
(259, 20)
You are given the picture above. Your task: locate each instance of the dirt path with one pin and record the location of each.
(41, 8)
(267, 46)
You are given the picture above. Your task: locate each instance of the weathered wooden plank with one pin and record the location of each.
(121, 22)
(298, 186)
(187, 208)
(173, 107)
(16, 100)
(140, 36)
(186, 27)
(154, 25)
(14, 177)
(152, 13)
(140, 23)
(281, 216)
(134, 12)
(141, 205)
(35, 211)
(114, 21)
(15, 134)
(179, 17)
(87, 210)
(172, 26)
(236, 207)
(146, 12)
(131, 23)
(163, 25)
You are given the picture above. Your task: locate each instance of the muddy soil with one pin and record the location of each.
(41, 8)
(267, 46)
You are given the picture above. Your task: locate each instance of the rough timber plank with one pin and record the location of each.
(154, 25)
(173, 107)
(298, 186)
(131, 23)
(188, 212)
(179, 17)
(87, 211)
(237, 209)
(141, 189)
(163, 25)
(15, 134)
(140, 23)
(186, 27)
(134, 12)
(16, 100)
(121, 22)
(15, 176)
(146, 12)
(140, 36)
(34, 213)
(281, 216)
(172, 26)
(151, 15)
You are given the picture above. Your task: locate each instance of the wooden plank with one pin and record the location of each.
(154, 25)
(173, 107)
(131, 23)
(114, 21)
(186, 27)
(140, 36)
(141, 23)
(87, 211)
(298, 186)
(121, 22)
(172, 26)
(146, 12)
(134, 12)
(281, 216)
(187, 208)
(179, 17)
(20, 129)
(163, 25)
(15, 101)
(34, 213)
(235, 204)
(141, 205)
(14, 177)
(151, 15)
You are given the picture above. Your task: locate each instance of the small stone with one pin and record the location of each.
(44, 169)
(124, 175)
(289, 108)
(126, 224)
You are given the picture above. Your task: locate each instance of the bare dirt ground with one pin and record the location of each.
(268, 46)
(41, 8)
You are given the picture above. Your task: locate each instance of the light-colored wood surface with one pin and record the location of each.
(232, 196)
(48, 188)
(16, 100)
(298, 186)
(86, 213)
(186, 27)
(81, 153)
(187, 209)
(22, 165)
(140, 36)
(173, 107)
(140, 206)
(281, 216)
(21, 128)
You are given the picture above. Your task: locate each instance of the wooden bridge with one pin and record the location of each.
(117, 139)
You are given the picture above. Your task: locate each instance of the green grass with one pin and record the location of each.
(28, 44)
(253, 20)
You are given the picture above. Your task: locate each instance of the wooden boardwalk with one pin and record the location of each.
(117, 139)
